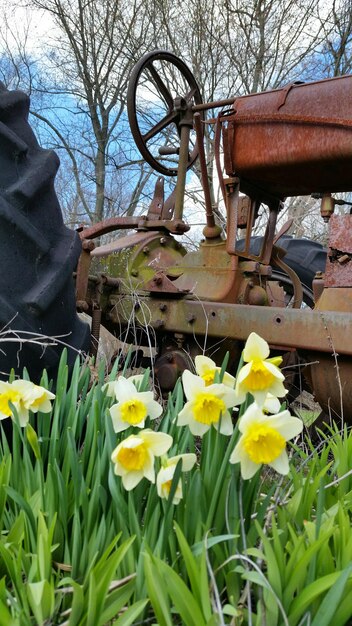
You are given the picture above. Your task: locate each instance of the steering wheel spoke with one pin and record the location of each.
(166, 121)
(161, 86)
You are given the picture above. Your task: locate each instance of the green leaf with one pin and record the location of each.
(41, 599)
(33, 440)
(309, 594)
(198, 548)
(332, 599)
(77, 604)
(156, 591)
(116, 600)
(195, 574)
(131, 614)
(183, 600)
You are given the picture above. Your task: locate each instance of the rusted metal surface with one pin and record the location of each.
(305, 330)
(122, 243)
(211, 230)
(157, 204)
(330, 377)
(169, 366)
(83, 273)
(331, 374)
(209, 273)
(124, 223)
(295, 145)
(339, 262)
(161, 284)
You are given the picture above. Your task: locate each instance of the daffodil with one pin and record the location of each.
(134, 457)
(25, 396)
(206, 368)
(7, 395)
(260, 375)
(110, 387)
(207, 405)
(166, 474)
(133, 406)
(263, 440)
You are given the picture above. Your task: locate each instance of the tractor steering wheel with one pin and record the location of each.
(161, 94)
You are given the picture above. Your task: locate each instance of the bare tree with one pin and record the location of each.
(335, 56)
(78, 93)
(78, 84)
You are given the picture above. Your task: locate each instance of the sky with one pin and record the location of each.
(37, 24)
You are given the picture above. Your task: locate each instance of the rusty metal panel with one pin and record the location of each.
(305, 330)
(339, 260)
(294, 141)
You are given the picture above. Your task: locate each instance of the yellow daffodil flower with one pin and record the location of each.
(166, 474)
(133, 406)
(260, 375)
(25, 396)
(207, 405)
(7, 394)
(134, 457)
(110, 387)
(263, 440)
(206, 368)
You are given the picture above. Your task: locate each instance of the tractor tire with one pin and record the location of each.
(38, 253)
(306, 258)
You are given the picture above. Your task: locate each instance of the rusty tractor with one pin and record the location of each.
(292, 141)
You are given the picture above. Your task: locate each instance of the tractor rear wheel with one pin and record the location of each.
(38, 253)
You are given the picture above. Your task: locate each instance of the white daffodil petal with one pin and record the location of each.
(287, 425)
(154, 409)
(197, 428)
(248, 468)
(252, 414)
(243, 373)
(272, 404)
(229, 380)
(159, 443)
(260, 397)
(188, 461)
(225, 425)
(45, 406)
(191, 384)
(164, 475)
(281, 464)
(255, 348)
(277, 389)
(226, 394)
(117, 422)
(143, 396)
(185, 415)
(131, 479)
(148, 468)
(203, 364)
(241, 395)
(109, 389)
(124, 389)
(237, 453)
(274, 370)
